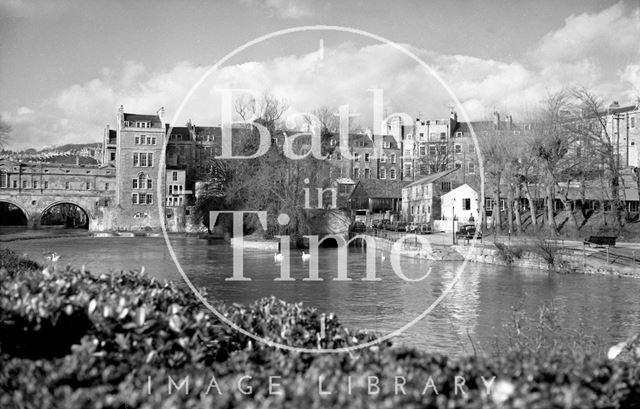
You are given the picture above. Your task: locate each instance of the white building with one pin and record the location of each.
(461, 203)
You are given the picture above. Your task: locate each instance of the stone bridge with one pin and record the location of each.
(35, 203)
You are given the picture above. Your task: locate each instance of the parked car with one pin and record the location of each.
(358, 227)
(381, 223)
(396, 226)
(468, 231)
(425, 229)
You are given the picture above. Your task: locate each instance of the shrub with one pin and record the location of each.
(133, 332)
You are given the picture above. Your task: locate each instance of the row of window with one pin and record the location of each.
(366, 157)
(35, 184)
(141, 198)
(142, 182)
(366, 173)
(138, 124)
(174, 201)
(145, 140)
(142, 159)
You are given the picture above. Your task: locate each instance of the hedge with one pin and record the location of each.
(71, 339)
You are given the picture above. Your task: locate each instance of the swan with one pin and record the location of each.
(305, 256)
(277, 257)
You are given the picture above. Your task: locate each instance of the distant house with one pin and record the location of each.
(421, 199)
(461, 203)
(376, 199)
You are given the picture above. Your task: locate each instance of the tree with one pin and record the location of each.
(5, 133)
(272, 182)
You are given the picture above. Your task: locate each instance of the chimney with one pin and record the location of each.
(161, 114)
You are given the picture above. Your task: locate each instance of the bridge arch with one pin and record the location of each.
(26, 215)
(47, 210)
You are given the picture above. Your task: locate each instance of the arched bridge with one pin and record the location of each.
(35, 204)
(35, 188)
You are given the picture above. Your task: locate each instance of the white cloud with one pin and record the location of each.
(344, 77)
(613, 32)
(285, 9)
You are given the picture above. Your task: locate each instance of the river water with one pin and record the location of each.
(477, 308)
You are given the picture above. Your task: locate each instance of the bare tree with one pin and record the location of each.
(591, 127)
(5, 133)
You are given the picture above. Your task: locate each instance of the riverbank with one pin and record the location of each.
(126, 340)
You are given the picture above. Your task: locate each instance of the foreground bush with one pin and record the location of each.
(72, 340)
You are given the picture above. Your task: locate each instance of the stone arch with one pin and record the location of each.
(66, 201)
(24, 211)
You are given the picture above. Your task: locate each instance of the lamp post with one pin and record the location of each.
(453, 221)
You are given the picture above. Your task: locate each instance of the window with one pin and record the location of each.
(113, 156)
(472, 167)
(134, 198)
(356, 173)
(356, 157)
(142, 181)
(137, 140)
(4, 179)
(458, 149)
(126, 123)
(149, 184)
(46, 184)
(383, 158)
(143, 159)
(443, 135)
(24, 184)
(407, 153)
(488, 204)
(367, 173)
(445, 186)
(338, 155)
(153, 140)
(458, 165)
(106, 186)
(149, 198)
(174, 176)
(332, 142)
(393, 158)
(407, 170)
(135, 183)
(35, 184)
(466, 204)
(366, 157)
(66, 185)
(392, 173)
(148, 140)
(432, 150)
(15, 184)
(633, 122)
(423, 150)
(459, 134)
(386, 144)
(88, 185)
(383, 173)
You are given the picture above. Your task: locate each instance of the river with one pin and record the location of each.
(477, 308)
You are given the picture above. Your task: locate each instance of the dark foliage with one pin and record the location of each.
(73, 340)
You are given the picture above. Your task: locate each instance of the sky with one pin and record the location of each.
(67, 65)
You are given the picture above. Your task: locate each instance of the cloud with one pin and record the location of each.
(613, 32)
(33, 8)
(345, 75)
(285, 9)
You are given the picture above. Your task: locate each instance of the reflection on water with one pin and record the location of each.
(480, 303)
